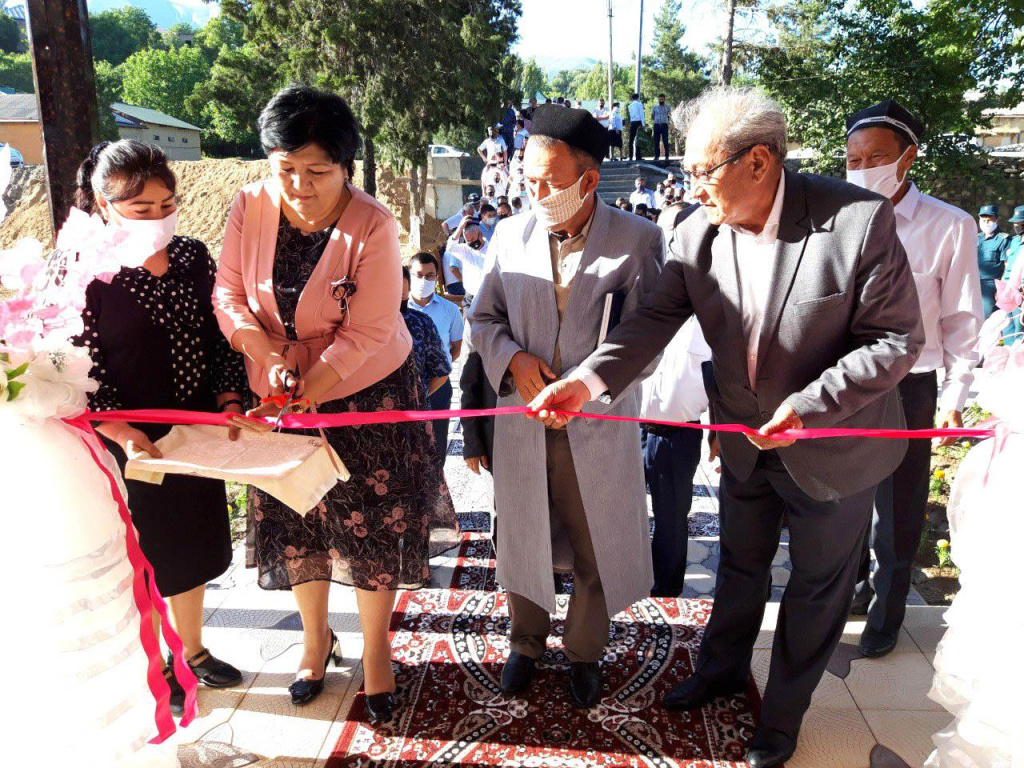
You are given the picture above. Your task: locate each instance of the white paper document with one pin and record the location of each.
(295, 469)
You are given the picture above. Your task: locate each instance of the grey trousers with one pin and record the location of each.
(587, 622)
(825, 540)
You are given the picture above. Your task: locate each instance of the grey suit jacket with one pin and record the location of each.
(842, 326)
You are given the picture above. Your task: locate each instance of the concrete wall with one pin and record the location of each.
(443, 200)
(176, 143)
(27, 138)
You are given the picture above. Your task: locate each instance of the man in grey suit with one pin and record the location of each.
(813, 319)
(560, 499)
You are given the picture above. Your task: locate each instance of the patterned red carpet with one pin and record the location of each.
(450, 646)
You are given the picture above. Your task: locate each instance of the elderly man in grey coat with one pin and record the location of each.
(813, 320)
(565, 498)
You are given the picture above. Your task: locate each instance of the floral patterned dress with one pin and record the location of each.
(378, 530)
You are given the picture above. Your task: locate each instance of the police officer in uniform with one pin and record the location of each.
(992, 247)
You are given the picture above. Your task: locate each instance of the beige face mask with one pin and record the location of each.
(558, 207)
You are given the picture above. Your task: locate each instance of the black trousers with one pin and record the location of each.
(671, 456)
(634, 129)
(825, 542)
(900, 506)
(441, 400)
(660, 140)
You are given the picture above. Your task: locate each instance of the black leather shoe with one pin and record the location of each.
(304, 691)
(770, 748)
(695, 692)
(380, 707)
(177, 692)
(517, 674)
(585, 683)
(210, 671)
(875, 644)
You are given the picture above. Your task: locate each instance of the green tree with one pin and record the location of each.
(451, 68)
(230, 100)
(118, 33)
(165, 80)
(219, 32)
(16, 72)
(173, 36)
(834, 58)
(672, 69)
(530, 79)
(11, 39)
(109, 87)
(594, 84)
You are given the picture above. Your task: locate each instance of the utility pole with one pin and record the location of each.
(611, 94)
(58, 33)
(640, 46)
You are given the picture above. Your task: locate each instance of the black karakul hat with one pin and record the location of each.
(887, 114)
(576, 127)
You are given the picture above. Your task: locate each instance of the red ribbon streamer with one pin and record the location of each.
(146, 602)
(355, 419)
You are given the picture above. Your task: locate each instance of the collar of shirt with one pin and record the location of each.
(906, 207)
(770, 231)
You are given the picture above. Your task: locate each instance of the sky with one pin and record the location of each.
(579, 28)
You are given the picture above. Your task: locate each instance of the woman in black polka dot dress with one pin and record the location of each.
(155, 344)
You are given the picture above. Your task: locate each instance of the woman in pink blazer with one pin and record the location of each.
(308, 288)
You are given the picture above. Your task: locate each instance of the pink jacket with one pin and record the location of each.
(374, 341)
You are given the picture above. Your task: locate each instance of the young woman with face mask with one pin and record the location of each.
(155, 343)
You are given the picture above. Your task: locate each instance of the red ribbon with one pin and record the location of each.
(355, 419)
(146, 602)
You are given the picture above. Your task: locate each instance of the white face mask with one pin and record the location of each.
(988, 226)
(558, 207)
(146, 235)
(421, 288)
(883, 179)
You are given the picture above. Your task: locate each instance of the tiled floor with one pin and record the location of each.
(880, 701)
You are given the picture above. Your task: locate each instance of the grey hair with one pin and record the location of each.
(740, 117)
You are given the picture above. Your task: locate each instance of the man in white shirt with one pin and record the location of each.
(636, 122)
(493, 149)
(641, 195)
(521, 135)
(451, 224)
(602, 113)
(674, 392)
(472, 259)
(940, 241)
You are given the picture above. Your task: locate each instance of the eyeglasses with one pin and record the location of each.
(702, 177)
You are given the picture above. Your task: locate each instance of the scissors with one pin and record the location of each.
(286, 400)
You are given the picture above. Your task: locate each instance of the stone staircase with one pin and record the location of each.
(617, 178)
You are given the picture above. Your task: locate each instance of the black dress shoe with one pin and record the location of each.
(177, 692)
(695, 692)
(517, 674)
(770, 748)
(210, 671)
(875, 644)
(304, 691)
(585, 683)
(380, 707)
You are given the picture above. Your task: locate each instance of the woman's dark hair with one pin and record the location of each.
(299, 115)
(119, 170)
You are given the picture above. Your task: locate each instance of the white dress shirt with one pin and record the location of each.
(474, 265)
(755, 260)
(941, 245)
(675, 391)
(644, 196)
(492, 148)
(603, 116)
(636, 112)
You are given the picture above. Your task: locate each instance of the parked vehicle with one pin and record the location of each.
(443, 150)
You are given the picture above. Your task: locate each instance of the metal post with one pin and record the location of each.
(611, 89)
(58, 32)
(639, 47)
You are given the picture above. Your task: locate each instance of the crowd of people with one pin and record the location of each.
(871, 321)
